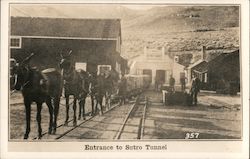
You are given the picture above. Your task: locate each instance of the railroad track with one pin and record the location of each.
(134, 123)
(61, 135)
(127, 114)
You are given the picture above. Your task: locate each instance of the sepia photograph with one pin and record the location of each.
(124, 79)
(108, 72)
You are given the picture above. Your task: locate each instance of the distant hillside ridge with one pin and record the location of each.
(176, 18)
(170, 18)
(182, 29)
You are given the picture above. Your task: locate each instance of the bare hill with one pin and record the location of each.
(179, 18)
(182, 29)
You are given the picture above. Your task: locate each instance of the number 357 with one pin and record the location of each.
(192, 135)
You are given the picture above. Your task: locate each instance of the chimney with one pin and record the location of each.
(145, 51)
(163, 52)
(203, 55)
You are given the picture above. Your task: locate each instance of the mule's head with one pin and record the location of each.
(21, 73)
(65, 62)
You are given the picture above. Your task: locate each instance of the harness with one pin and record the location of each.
(28, 80)
(69, 76)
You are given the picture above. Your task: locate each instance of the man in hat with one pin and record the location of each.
(195, 89)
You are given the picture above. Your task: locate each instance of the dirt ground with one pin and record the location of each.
(17, 116)
(215, 117)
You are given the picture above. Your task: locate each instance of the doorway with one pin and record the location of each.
(148, 72)
(160, 76)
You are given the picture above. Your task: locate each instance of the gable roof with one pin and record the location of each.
(196, 63)
(65, 27)
(201, 67)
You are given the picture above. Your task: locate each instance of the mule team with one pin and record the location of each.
(80, 84)
(47, 86)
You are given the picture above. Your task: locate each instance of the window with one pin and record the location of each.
(205, 80)
(15, 42)
(103, 69)
(81, 65)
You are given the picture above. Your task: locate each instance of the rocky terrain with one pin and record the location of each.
(181, 29)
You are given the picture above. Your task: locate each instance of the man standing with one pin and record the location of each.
(108, 85)
(195, 89)
(172, 83)
(92, 91)
(183, 83)
(122, 89)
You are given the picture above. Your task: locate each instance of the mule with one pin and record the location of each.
(108, 87)
(39, 87)
(75, 84)
(92, 92)
(96, 92)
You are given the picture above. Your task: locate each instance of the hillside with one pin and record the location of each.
(181, 29)
(179, 18)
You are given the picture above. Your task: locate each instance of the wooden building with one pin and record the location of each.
(93, 41)
(224, 73)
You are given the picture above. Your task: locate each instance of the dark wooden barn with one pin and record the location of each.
(92, 41)
(224, 73)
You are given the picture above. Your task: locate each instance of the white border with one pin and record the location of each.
(231, 149)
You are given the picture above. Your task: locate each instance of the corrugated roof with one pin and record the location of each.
(65, 27)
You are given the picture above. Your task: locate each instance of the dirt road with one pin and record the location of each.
(209, 121)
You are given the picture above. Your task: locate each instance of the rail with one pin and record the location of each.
(141, 123)
(143, 118)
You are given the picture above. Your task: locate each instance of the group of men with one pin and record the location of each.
(194, 89)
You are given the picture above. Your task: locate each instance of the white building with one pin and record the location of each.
(158, 65)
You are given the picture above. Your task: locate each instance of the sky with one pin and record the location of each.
(65, 10)
(139, 7)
